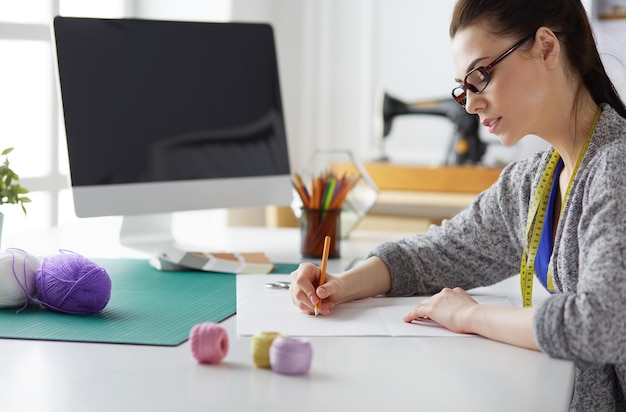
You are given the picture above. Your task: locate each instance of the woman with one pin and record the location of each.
(524, 67)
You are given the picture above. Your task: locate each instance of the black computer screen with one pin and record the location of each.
(148, 100)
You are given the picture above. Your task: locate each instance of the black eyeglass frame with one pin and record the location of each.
(485, 71)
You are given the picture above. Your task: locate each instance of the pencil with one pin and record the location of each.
(323, 270)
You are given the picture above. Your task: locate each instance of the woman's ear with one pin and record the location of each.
(547, 44)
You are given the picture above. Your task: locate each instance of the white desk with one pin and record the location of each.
(351, 374)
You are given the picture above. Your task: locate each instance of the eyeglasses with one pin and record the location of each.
(476, 80)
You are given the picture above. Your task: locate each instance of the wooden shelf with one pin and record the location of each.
(449, 179)
(609, 16)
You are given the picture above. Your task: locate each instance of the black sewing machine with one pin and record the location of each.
(466, 146)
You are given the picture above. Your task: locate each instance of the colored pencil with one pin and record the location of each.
(323, 270)
(327, 191)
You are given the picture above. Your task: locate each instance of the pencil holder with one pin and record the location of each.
(315, 224)
(359, 193)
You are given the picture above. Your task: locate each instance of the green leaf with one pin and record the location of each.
(11, 192)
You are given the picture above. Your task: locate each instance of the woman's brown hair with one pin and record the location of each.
(519, 18)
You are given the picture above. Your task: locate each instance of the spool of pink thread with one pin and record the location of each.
(209, 342)
(291, 356)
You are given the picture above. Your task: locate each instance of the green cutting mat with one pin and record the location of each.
(147, 307)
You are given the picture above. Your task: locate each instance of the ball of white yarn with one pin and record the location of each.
(17, 277)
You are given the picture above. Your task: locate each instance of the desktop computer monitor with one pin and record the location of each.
(167, 116)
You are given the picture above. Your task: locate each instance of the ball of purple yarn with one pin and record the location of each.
(71, 283)
(291, 356)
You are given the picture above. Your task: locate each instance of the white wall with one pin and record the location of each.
(610, 36)
(325, 54)
(191, 10)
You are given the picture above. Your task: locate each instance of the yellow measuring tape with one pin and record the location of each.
(536, 219)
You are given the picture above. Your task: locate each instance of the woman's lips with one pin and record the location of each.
(491, 123)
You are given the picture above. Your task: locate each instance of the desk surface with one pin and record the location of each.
(364, 373)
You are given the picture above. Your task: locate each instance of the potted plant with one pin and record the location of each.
(11, 192)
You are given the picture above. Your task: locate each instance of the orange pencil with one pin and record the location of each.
(323, 270)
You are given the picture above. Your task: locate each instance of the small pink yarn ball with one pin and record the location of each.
(209, 342)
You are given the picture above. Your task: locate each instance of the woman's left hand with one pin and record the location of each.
(451, 308)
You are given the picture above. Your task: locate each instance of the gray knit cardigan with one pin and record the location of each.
(585, 321)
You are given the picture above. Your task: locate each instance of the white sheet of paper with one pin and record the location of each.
(261, 309)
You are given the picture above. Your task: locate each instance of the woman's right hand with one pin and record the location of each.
(369, 278)
(304, 291)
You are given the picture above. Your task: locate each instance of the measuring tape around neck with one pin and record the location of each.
(536, 219)
(534, 225)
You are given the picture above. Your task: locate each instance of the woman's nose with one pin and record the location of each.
(473, 102)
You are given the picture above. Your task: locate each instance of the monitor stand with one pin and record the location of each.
(153, 234)
(147, 233)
